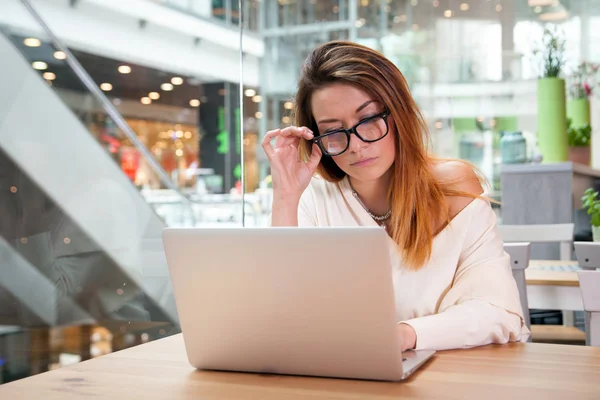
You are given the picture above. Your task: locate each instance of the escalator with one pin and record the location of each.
(79, 244)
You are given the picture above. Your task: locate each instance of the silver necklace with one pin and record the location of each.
(378, 218)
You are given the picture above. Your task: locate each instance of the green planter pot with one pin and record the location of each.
(579, 112)
(552, 120)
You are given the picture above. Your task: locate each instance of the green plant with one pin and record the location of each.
(579, 136)
(592, 204)
(551, 53)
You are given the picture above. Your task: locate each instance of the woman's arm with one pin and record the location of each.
(482, 305)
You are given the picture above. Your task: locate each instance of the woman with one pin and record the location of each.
(358, 127)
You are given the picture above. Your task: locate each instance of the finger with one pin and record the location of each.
(301, 132)
(283, 141)
(266, 143)
(315, 158)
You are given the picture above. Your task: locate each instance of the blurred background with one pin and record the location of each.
(120, 118)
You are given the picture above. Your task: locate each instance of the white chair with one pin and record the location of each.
(547, 233)
(519, 261)
(589, 282)
(588, 257)
(543, 233)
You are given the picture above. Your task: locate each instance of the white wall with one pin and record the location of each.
(111, 29)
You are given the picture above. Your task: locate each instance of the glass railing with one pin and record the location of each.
(82, 268)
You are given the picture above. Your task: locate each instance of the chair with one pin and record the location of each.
(589, 282)
(547, 233)
(588, 257)
(543, 233)
(519, 261)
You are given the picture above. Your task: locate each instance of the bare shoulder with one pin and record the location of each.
(458, 176)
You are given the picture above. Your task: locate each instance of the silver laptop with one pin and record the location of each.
(588, 254)
(299, 301)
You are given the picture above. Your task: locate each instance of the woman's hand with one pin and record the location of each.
(290, 175)
(408, 335)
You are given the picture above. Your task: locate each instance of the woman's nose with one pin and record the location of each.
(356, 145)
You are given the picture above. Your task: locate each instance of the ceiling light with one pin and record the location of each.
(32, 42)
(257, 99)
(534, 3)
(188, 135)
(360, 22)
(285, 120)
(288, 105)
(124, 69)
(107, 87)
(154, 95)
(250, 92)
(498, 7)
(179, 152)
(448, 13)
(146, 100)
(177, 80)
(195, 103)
(39, 65)
(167, 87)
(258, 115)
(60, 55)
(49, 76)
(464, 6)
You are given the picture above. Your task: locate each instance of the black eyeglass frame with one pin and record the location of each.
(383, 115)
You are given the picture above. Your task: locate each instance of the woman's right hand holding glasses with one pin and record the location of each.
(290, 175)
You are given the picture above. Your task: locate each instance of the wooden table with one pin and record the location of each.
(554, 290)
(159, 370)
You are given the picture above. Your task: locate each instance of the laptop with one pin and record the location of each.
(588, 254)
(295, 301)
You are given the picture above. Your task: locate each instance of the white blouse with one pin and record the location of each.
(464, 296)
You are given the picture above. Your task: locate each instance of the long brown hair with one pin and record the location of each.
(416, 197)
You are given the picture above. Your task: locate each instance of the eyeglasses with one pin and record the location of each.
(368, 130)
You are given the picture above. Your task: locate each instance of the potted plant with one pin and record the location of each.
(579, 139)
(581, 84)
(592, 204)
(551, 116)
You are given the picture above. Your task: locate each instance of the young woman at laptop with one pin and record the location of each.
(358, 156)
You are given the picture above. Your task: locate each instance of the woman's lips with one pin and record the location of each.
(364, 162)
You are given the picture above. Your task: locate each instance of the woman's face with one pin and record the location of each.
(341, 105)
